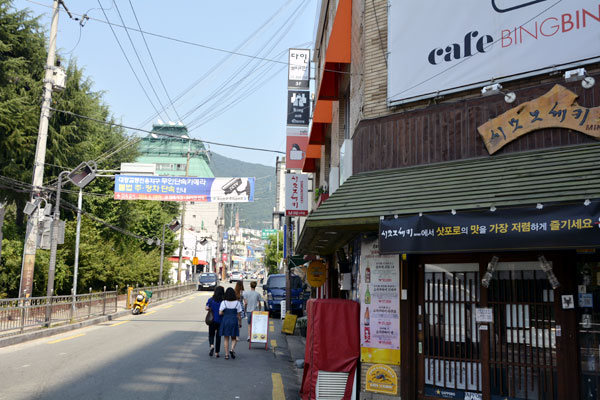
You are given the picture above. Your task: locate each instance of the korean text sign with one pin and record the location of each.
(554, 226)
(296, 194)
(172, 188)
(379, 306)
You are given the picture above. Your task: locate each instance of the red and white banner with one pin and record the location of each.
(296, 195)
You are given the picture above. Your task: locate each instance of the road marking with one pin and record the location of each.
(278, 393)
(273, 343)
(149, 312)
(169, 306)
(271, 328)
(67, 338)
(120, 323)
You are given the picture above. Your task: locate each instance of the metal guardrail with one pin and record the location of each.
(17, 315)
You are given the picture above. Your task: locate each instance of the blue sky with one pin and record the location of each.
(225, 98)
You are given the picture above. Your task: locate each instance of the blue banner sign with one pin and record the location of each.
(173, 188)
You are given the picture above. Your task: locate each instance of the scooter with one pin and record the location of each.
(141, 302)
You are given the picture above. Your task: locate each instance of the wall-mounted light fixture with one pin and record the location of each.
(496, 88)
(580, 74)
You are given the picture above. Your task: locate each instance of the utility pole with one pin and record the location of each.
(187, 167)
(29, 250)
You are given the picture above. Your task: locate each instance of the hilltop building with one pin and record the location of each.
(171, 150)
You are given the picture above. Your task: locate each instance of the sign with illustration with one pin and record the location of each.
(298, 107)
(259, 329)
(295, 151)
(316, 274)
(173, 188)
(556, 109)
(299, 69)
(296, 194)
(551, 226)
(380, 306)
(381, 379)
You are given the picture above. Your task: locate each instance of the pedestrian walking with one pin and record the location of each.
(252, 302)
(239, 290)
(231, 321)
(214, 304)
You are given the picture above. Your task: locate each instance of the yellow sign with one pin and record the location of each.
(382, 379)
(195, 260)
(383, 356)
(289, 323)
(316, 274)
(556, 109)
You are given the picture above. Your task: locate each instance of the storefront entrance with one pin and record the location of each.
(494, 343)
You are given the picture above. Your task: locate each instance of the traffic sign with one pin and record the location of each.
(268, 232)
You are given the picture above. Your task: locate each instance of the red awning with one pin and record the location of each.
(174, 259)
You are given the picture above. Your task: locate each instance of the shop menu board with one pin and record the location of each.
(379, 306)
(260, 326)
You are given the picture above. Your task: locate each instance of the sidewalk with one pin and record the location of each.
(296, 345)
(40, 332)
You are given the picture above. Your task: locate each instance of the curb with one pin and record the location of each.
(45, 332)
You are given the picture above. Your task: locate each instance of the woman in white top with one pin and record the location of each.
(231, 321)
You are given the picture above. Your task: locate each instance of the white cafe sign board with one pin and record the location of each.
(439, 47)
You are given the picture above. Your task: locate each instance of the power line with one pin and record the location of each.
(164, 134)
(127, 58)
(153, 62)
(163, 108)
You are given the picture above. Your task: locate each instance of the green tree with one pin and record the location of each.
(107, 256)
(272, 256)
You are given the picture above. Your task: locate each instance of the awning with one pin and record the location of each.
(176, 259)
(554, 175)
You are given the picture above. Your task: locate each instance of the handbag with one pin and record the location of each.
(209, 317)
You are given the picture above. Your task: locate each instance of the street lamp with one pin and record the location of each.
(174, 226)
(81, 176)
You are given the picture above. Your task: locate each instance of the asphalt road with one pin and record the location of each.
(161, 354)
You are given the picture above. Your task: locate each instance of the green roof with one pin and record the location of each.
(555, 175)
(170, 152)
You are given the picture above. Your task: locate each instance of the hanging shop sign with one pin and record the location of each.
(556, 109)
(316, 274)
(296, 195)
(381, 379)
(379, 306)
(439, 47)
(552, 226)
(171, 188)
(295, 150)
(298, 107)
(299, 69)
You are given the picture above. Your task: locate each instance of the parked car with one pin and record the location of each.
(236, 276)
(274, 294)
(208, 281)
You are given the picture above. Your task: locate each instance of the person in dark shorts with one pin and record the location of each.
(252, 302)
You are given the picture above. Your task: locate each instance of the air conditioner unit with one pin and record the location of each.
(331, 385)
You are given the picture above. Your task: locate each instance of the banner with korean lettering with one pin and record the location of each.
(299, 69)
(296, 195)
(173, 188)
(548, 226)
(379, 306)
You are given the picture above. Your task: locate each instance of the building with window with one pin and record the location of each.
(459, 143)
(169, 148)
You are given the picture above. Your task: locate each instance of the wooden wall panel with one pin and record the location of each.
(448, 132)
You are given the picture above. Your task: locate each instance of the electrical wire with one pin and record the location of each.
(165, 134)
(127, 58)
(163, 108)
(153, 62)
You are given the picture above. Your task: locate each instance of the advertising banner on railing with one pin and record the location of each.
(549, 226)
(172, 188)
(443, 46)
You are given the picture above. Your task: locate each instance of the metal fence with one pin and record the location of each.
(18, 315)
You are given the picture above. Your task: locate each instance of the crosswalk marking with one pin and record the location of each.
(278, 393)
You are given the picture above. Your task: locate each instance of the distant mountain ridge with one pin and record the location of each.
(258, 214)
